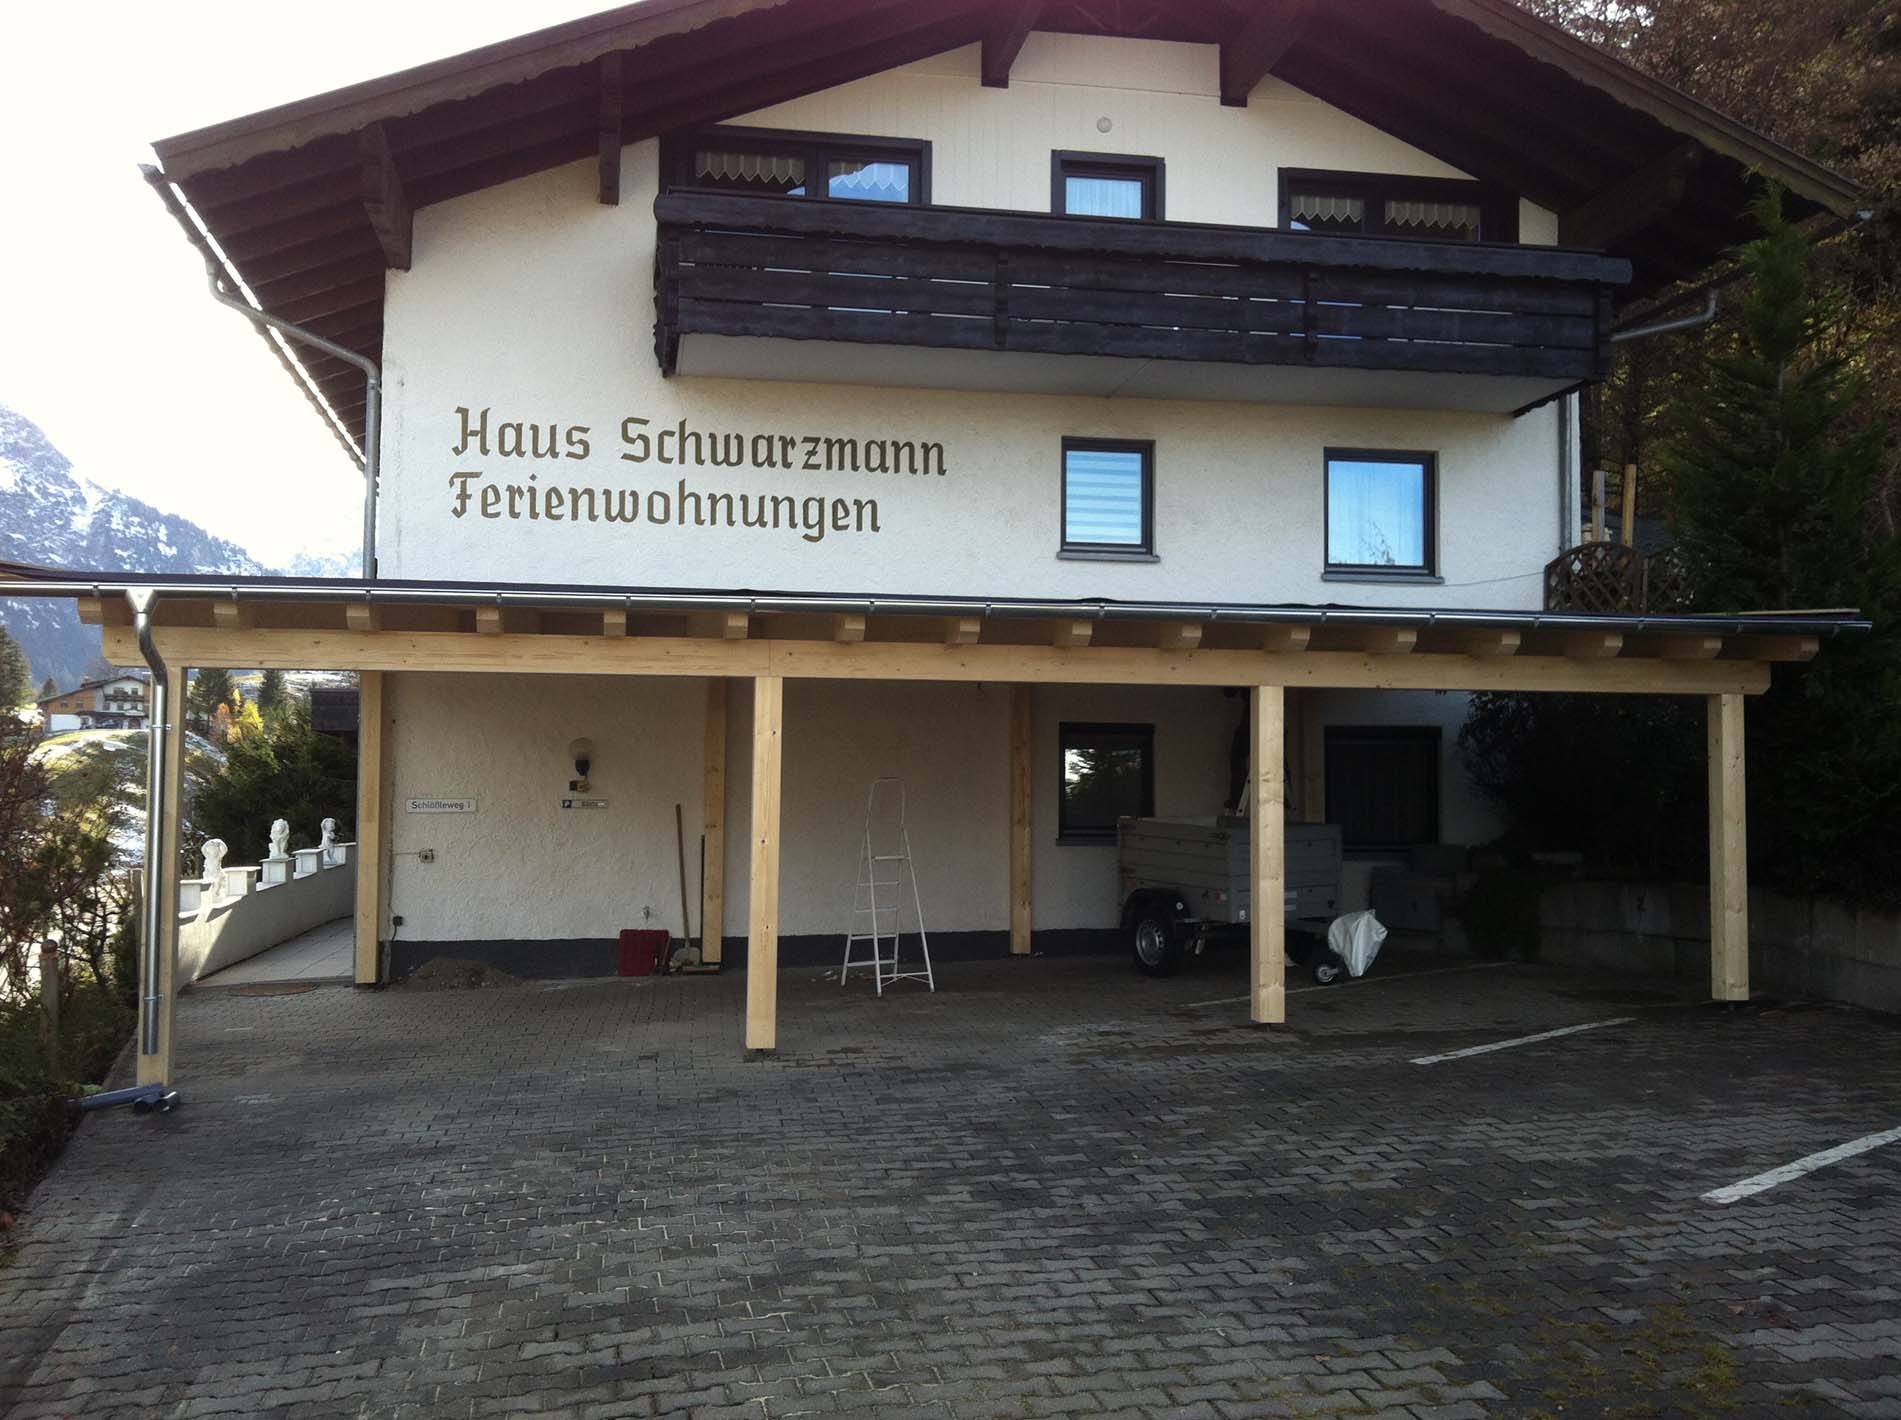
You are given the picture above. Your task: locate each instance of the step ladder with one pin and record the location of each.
(885, 879)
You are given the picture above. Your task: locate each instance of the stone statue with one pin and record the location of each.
(214, 851)
(329, 839)
(280, 839)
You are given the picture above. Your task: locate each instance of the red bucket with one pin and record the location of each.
(642, 953)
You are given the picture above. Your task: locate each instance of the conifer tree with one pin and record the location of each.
(271, 693)
(16, 676)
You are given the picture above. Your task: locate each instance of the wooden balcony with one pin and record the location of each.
(847, 292)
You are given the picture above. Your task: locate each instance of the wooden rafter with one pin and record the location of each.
(1010, 26)
(1257, 45)
(384, 201)
(609, 130)
(1636, 202)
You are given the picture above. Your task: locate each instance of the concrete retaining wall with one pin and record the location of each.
(1798, 947)
(223, 933)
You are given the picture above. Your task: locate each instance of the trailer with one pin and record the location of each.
(1186, 885)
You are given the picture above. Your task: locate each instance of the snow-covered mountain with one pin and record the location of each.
(51, 517)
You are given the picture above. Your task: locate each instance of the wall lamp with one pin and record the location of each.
(582, 753)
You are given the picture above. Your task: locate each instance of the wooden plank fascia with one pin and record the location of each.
(1009, 27)
(609, 134)
(325, 649)
(1251, 52)
(384, 201)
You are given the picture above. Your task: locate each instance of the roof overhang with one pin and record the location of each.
(310, 201)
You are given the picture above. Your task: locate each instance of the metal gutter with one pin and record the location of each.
(143, 600)
(215, 272)
(652, 599)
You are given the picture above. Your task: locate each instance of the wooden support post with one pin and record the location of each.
(1629, 520)
(157, 1069)
(384, 201)
(1729, 853)
(1022, 818)
(608, 129)
(369, 826)
(1597, 505)
(713, 818)
(762, 935)
(1267, 854)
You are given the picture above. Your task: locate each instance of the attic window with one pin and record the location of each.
(777, 163)
(1389, 205)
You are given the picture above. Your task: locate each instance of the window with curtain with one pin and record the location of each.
(1379, 511)
(1107, 488)
(1108, 773)
(776, 163)
(1101, 185)
(1383, 784)
(1389, 205)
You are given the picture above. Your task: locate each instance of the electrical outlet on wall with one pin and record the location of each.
(426, 855)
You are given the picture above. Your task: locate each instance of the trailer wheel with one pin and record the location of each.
(1330, 970)
(1158, 951)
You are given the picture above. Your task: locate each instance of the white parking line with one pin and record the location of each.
(1520, 1040)
(1354, 981)
(1762, 1182)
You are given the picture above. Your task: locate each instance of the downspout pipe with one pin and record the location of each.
(153, 907)
(224, 295)
(1666, 327)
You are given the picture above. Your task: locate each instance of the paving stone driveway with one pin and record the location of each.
(1053, 1188)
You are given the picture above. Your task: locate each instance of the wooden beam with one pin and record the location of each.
(370, 809)
(156, 1069)
(1279, 639)
(962, 630)
(1386, 640)
(850, 627)
(1252, 51)
(1071, 634)
(1267, 858)
(609, 129)
(713, 821)
(361, 616)
(233, 616)
(1633, 203)
(762, 936)
(720, 625)
(1178, 635)
(1022, 818)
(1009, 27)
(313, 649)
(1674, 648)
(1490, 641)
(384, 201)
(613, 623)
(1729, 852)
(104, 611)
(1772, 648)
(1591, 645)
(507, 620)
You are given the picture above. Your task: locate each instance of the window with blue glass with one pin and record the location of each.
(1108, 495)
(1106, 185)
(1380, 512)
(779, 163)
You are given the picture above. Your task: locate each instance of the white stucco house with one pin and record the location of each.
(780, 394)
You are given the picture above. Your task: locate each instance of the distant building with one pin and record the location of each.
(115, 703)
(333, 710)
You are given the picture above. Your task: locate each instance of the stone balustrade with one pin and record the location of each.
(230, 913)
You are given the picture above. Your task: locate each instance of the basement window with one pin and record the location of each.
(1107, 773)
(1389, 205)
(782, 163)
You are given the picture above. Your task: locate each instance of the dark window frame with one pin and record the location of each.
(1148, 170)
(1429, 571)
(1423, 735)
(1145, 550)
(817, 148)
(1498, 209)
(1086, 834)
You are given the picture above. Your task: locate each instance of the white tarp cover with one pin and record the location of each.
(1356, 937)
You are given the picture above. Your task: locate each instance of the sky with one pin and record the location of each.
(109, 340)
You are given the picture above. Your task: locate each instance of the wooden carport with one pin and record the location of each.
(378, 628)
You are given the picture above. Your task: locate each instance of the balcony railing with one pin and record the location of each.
(963, 279)
(1609, 577)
